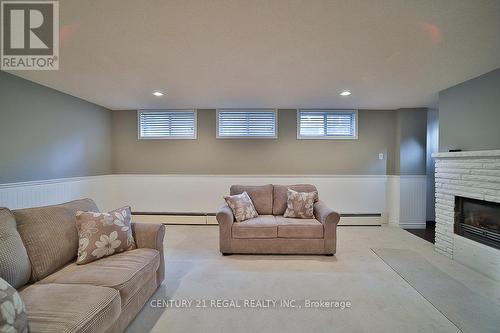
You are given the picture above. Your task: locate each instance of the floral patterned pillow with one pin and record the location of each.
(300, 204)
(103, 234)
(12, 311)
(242, 206)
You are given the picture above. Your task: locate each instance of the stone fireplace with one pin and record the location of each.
(467, 208)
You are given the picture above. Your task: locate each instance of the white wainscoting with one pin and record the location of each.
(400, 199)
(204, 193)
(413, 201)
(54, 191)
(393, 199)
(406, 201)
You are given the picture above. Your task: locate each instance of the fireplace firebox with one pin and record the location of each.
(478, 220)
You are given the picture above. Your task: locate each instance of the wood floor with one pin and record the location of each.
(428, 233)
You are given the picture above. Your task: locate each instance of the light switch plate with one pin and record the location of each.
(381, 156)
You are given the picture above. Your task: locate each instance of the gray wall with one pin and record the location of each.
(285, 155)
(469, 114)
(46, 134)
(411, 137)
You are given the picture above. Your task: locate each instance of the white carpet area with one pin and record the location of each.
(381, 300)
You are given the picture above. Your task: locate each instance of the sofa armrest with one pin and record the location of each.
(325, 214)
(225, 218)
(329, 218)
(150, 236)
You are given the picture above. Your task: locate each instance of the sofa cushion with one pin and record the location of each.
(242, 206)
(263, 226)
(50, 236)
(15, 267)
(103, 234)
(262, 196)
(280, 195)
(300, 204)
(84, 205)
(298, 228)
(70, 308)
(12, 311)
(125, 272)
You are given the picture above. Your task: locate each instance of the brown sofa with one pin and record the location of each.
(270, 232)
(38, 249)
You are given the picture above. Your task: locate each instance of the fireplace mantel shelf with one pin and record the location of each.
(465, 154)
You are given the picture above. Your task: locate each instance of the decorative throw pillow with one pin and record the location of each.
(242, 206)
(300, 204)
(103, 234)
(12, 311)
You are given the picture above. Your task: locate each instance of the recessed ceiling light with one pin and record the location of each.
(158, 93)
(345, 93)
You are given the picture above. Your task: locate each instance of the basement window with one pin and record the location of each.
(247, 123)
(167, 124)
(327, 124)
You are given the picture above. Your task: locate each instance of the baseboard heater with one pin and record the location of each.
(209, 218)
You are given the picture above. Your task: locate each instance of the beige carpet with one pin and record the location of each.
(381, 300)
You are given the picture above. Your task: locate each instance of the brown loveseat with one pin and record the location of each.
(38, 252)
(270, 232)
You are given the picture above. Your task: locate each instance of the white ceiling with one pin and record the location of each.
(271, 53)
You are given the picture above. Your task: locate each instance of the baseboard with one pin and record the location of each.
(197, 218)
(175, 218)
(412, 225)
(417, 224)
(360, 220)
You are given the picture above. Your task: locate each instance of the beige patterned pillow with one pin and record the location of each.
(103, 234)
(300, 204)
(242, 206)
(12, 311)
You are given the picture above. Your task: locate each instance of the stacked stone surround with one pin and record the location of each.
(473, 174)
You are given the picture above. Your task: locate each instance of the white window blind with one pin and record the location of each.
(167, 124)
(327, 124)
(256, 123)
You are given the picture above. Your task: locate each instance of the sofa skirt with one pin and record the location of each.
(277, 246)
